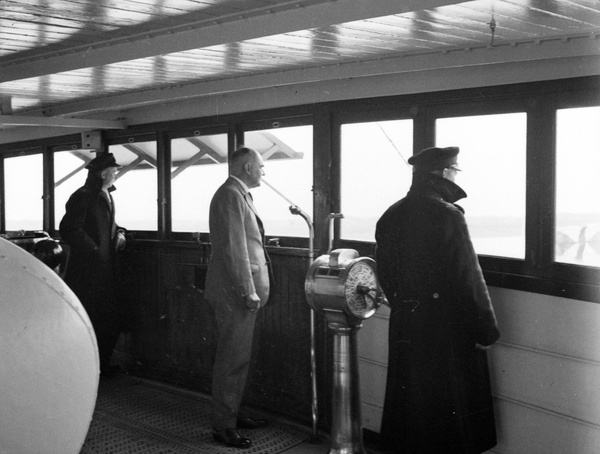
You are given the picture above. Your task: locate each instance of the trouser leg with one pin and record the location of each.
(232, 362)
(107, 324)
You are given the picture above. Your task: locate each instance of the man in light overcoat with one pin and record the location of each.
(237, 286)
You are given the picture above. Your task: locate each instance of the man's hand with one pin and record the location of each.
(121, 240)
(253, 302)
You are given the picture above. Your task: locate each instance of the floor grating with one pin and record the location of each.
(133, 416)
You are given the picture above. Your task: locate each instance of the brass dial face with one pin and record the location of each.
(361, 289)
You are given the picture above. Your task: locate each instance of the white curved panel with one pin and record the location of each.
(49, 367)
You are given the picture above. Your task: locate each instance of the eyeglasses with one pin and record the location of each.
(455, 168)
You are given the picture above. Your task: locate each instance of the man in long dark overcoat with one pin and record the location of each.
(438, 397)
(94, 240)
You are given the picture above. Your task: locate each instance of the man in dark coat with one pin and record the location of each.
(438, 397)
(94, 240)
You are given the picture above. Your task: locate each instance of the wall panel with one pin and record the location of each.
(372, 349)
(529, 430)
(562, 385)
(547, 323)
(545, 374)
(173, 336)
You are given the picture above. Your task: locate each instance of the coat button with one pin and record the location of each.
(436, 295)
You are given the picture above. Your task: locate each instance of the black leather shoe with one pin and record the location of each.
(250, 423)
(231, 437)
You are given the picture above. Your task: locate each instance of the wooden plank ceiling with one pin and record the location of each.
(72, 63)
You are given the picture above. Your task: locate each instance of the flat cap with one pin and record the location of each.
(101, 162)
(434, 158)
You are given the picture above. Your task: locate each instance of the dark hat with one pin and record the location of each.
(434, 158)
(101, 162)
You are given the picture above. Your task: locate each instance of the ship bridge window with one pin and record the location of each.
(287, 152)
(198, 168)
(374, 173)
(577, 229)
(135, 208)
(136, 194)
(493, 162)
(24, 203)
(69, 175)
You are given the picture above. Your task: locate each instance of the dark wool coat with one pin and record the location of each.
(438, 397)
(89, 229)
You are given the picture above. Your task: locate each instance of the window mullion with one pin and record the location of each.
(541, 186)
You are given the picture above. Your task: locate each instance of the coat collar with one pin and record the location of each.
(431, 185)
(243, 188)
(94, 181)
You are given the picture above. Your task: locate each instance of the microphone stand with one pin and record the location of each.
(294, 209)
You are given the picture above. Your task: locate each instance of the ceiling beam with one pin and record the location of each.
(227, 29)
(60, 122)
(554, 49)
(425, 81)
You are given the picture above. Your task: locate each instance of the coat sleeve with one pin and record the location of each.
(229, 216)
(387, 272)
(72, 225)
(469, 281)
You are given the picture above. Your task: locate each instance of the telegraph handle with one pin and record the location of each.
(379, 298)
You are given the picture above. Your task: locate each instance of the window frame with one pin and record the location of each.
(28, 150)
(50, 219)
(573, 277)
(200, 130)
(282, 120)
(536, 273)
(350, 117)
(480, 108)
(163, 191)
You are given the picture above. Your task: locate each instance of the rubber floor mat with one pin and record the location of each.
(134, 416)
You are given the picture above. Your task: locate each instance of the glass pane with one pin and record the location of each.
(493, 159)
(137, 186)
(578, 186)
(24, 187)
(199, 167)
(288, 157)
(375, 173)
(69, 175)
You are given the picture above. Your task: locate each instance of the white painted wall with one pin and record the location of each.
(545, 373)
(372, 346)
